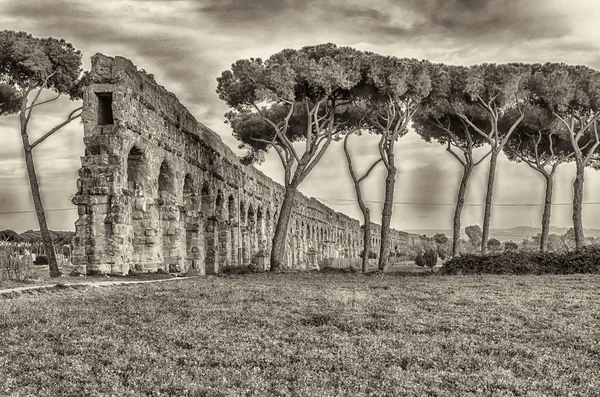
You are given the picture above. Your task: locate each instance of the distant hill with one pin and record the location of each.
(515, 234)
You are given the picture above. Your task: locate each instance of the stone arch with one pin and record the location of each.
(166, 180)
(189, 185)
(208, 227)
(219, 205)
(222, 228)
(250, 234)
(261, 238)
(206, 199)
(191, 222)
(142, 220)
(231, 209)
(232, 216)
(136, 169)
(169, 219)
(243, 234)
(268, 231)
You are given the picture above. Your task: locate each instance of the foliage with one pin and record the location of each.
(587, 260)
(236, 270)
(9, 99)
(28, 62)
(494, 244)
(443, 245)
(473, 232)
(10, 235)
(511, 246)
(556, 242)
(290, 97)
(427, 258)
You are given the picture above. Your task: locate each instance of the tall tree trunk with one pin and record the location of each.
(367, 225)
(278, 260)
(366, 240)
(361, 203)
(386, 215)
(487, 215)
(37, 202)
(460, 202)
(547, 211)
(577, 205)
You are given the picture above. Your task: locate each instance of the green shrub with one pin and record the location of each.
(236, 270)
(586, 260)
(372, 255)
(427, 258)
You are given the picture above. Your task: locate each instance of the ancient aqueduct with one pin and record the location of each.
(158, 190)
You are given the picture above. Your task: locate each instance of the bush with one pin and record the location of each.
(328, 269)
(586, 260)
(41, 260)
(372, 255)
(427, 258)
(237, 270)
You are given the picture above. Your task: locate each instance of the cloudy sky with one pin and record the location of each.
(186, 44)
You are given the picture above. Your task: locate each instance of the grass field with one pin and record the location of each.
(307, 335)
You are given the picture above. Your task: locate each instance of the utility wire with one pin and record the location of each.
(342, 201)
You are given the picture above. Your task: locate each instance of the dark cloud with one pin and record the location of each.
(148, 39)
(386, 20)
(522, 18)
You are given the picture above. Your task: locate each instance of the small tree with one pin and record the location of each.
(494, 244)
(511, 246)
(294, 96)
(473, 232)
(427, 258)
(442, 243)
(29, 66)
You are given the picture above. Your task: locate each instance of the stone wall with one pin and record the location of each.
(158, 190)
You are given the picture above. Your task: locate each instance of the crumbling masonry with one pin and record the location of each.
(158, 190)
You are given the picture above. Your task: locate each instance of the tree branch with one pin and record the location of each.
(456, 156)
(44, 102)
(72, 116)
(37, 95)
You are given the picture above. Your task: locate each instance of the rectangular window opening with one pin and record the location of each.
(105, 114)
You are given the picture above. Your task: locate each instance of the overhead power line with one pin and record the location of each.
(46, 210)
(343, 201)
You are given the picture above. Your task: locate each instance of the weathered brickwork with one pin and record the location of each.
(158, 190)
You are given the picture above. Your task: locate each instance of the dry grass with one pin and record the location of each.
(308, 335)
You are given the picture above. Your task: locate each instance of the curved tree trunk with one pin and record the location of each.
(39, 207)
(361, 203)
(366, 228)
(577, 205)
(547, 212)
(278, 260)
(386, 216)
(488, 201)
(460, 202)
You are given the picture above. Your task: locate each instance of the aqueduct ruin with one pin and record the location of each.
(159, 190)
